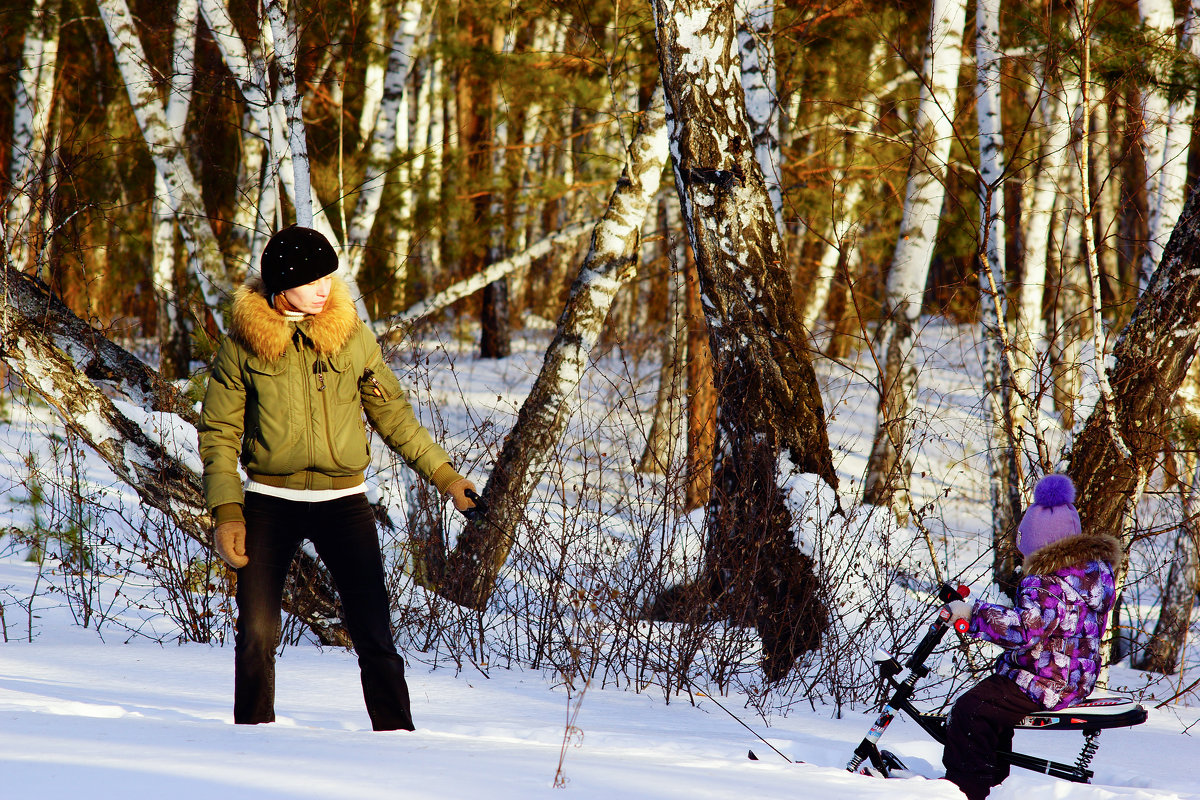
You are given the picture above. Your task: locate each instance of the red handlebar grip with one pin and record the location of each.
(964, 591)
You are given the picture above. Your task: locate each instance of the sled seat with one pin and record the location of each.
(1093, 714)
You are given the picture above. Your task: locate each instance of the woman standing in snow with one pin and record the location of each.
(1051, 639)
(286, 397)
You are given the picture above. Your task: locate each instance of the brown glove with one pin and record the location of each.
(229, 539)
(458, 492)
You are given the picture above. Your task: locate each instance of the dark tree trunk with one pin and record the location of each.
(769, 402)
(701, 396)
(1120, 443)
(495, 337)
(1119, 446)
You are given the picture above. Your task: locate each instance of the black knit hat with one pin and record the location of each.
(295, 256)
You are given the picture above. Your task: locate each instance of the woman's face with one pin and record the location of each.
(310, 298)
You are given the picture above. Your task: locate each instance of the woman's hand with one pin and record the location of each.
(229, 539)
(458, 492)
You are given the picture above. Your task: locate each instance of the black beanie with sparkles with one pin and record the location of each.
(295, 256)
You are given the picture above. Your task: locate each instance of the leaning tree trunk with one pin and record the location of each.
(1116, 451)
(66, 363)
(888, 468)
(770, 408)
(483, 547)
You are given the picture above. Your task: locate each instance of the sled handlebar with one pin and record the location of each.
(948, 593)
(478, 508)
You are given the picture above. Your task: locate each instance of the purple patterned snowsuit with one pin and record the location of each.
(1052, 637)
(1051, 656)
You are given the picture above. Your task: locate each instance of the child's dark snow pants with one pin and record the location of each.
(981, 723)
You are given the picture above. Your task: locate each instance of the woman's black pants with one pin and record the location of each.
(343, 532)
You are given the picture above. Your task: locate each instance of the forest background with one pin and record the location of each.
(715, 210)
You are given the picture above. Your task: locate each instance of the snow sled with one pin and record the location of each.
(1090, 716)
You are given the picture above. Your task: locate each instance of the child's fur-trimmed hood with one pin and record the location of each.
(1075, 550)
(265, 332)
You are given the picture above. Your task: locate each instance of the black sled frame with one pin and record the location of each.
(1091, 716)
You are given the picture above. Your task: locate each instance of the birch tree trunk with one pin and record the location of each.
(1162, 167)
(468, 286)
(1004, 481)
(29, 154)
(382, 151)
(887, 480)
(182, 191)
(845, 195)
(376, 55)
(495, 336)
(756, 18)
(770, 420)
(63, 360)
(1168, 140)
(483, 547)
(173, 351)
(258, 201)
(286, 46)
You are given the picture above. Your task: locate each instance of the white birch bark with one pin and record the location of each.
(492, 272)
(183, 193)
(994, 302)
(376, 54)
(257, 206)
(382, 150)
(31, 140)
(423, 171)
(756, 20)
(286, 46)
(933, 131)
(289, 170)
(1166, 140)
(1071, 297)
(179, 101)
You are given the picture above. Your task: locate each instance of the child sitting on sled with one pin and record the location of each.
(1051, 639)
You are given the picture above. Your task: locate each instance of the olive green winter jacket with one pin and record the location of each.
(286, 399)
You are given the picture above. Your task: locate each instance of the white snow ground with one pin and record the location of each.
(85, 718)
(114, 715)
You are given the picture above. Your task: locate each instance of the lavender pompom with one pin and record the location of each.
(1054, 490)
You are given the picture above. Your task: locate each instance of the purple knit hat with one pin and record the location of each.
(1051, 517)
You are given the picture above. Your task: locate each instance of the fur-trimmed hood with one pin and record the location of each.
(1075, 550)
(265, 332)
